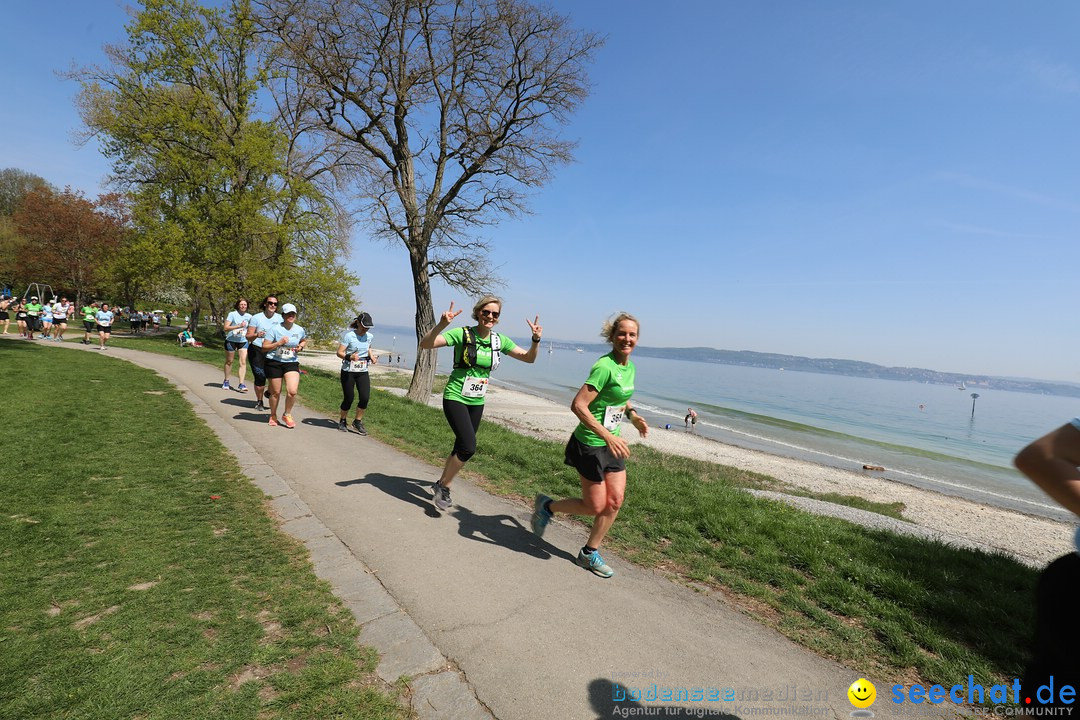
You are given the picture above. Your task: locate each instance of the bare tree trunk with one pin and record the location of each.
(424, 371)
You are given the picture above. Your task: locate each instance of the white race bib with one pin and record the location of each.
(357, 366)
(286, 354)
(613, 415)
(474, 387)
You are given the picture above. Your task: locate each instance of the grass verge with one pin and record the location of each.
(900, 607)
(127, 591)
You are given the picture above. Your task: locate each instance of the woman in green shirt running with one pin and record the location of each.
(476, 354)
(596, 449)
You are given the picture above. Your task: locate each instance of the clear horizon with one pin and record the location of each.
(891, 182)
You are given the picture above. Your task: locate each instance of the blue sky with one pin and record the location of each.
(895, 182)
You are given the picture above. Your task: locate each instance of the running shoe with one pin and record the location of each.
(288, 421)
(272, 422)
(441, 494)
(359, 427)
(225, 385)
(259, 405)
(242, 387)
(540, 517)
(594, 562)
(343, 426)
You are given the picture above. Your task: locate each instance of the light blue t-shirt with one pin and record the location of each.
(360, 344)
(238, 335)
(287, 352)
(259, 321)
(104, 318)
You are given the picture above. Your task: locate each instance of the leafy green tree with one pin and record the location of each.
(214, 199)
(444, 113)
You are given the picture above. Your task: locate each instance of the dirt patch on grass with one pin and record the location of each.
(144, 586)
(88, 621)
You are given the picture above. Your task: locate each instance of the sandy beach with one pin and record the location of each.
(1032, 540)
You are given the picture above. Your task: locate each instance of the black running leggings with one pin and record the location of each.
(464, 421)
(362, 382)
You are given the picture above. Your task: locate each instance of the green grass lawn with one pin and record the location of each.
(900, 607)
(140, 573)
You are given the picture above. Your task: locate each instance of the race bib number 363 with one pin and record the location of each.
(613, 415)
(473, 387)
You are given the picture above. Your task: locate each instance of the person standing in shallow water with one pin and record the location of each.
(596, 449)
(477, 351)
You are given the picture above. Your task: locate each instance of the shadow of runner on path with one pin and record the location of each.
(602, 698)
(503, 530)
(320, 422)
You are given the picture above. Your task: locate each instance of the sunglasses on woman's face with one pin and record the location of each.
(493, 314)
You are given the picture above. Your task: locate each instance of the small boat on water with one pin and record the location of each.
(579, 350)
(963, 385)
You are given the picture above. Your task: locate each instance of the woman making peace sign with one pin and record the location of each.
(477, 352)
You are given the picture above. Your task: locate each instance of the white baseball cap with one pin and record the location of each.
(288, 308)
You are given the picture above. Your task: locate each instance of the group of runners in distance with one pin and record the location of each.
(50, 318)
(270, 342)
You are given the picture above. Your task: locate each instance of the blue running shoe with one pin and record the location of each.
(594, 562)
(225, 385)
(540, 516)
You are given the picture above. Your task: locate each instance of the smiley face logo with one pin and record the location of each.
(862, 693)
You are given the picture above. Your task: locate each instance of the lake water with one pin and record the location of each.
(924, 435)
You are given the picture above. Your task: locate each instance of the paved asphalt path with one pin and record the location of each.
(484, 617)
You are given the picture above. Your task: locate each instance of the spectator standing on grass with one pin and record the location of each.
(477, 353)
(236, 342)
(355, 353)
(1051, 462)
(596, 449)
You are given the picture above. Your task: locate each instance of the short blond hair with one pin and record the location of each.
(486, 300)
(612, 325)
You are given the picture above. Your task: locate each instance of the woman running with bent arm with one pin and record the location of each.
(476, 355)
(355, 353)
(596, 449)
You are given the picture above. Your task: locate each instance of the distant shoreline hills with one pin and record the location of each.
(824, 366)
(851, 368)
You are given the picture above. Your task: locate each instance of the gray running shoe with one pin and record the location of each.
(359, 427)
(540, 516)
(343, 426)
(441, 495)
(594, 562)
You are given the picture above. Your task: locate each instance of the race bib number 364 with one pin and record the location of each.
(613, 415)
(473, 387)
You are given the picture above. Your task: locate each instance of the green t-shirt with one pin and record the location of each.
(33, 309)
(89, 314)
(615, 385)
(469, 385)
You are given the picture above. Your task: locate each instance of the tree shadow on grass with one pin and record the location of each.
(502, 530)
